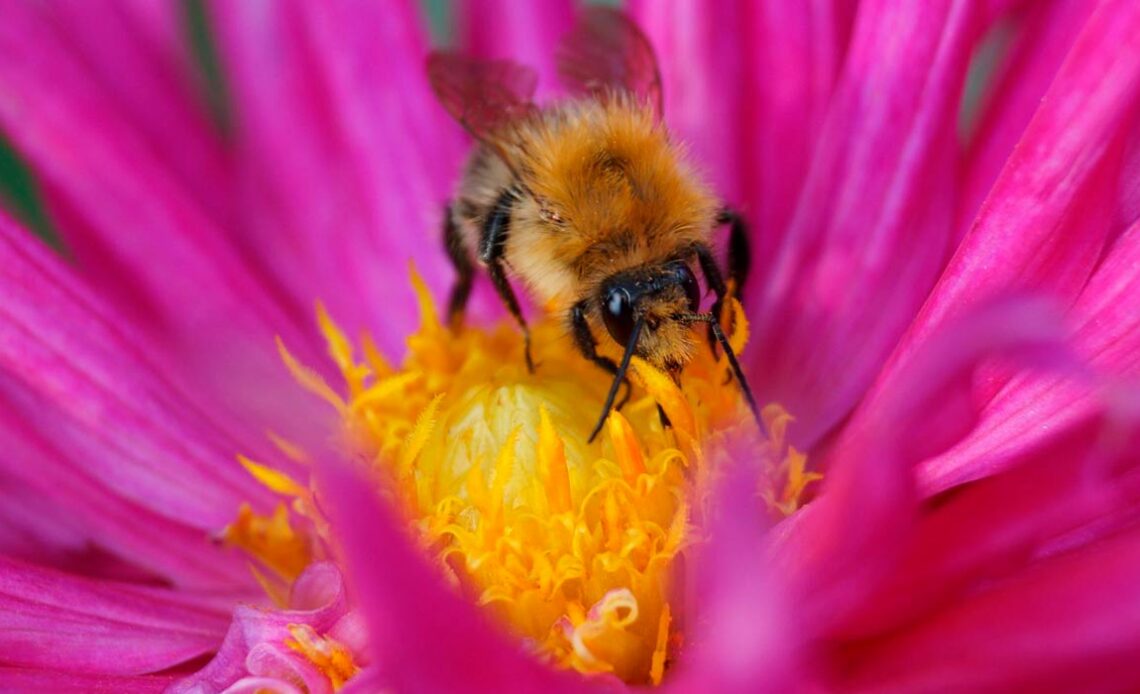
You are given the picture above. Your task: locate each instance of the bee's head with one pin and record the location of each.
(661, 296)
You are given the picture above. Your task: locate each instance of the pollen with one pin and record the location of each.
(574, 547)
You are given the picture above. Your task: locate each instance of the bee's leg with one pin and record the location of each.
(491, 248)
(739, 251)
(464, 271)
(715, 282)
(588, 346)
(503, 287)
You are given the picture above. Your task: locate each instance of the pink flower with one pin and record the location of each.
(948, 306)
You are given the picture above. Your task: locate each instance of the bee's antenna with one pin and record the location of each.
(619, 377)
(737, 371)
(714, 324)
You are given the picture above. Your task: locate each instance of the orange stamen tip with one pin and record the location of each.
(627, 449)
(273, 479)
(552, 464)
(662, 389)
(331, 658)
(272, 540)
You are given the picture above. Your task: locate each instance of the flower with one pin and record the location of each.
(944, 311)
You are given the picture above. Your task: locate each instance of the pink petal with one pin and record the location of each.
(137, 53)
(32, 681)
(838, 548)
(1066, 625)
(255, 652)
(348, 159)
(1046, 221)
(1043, 34)
(55, 621)
(109, 522)
(1031, 410)
(745, 639)
(37, 530)
(994, 527)
(526, 33)
(135, 232)
(872, 225)
(1129, 194)
(422, 636)
(749, 103)
(94, 425)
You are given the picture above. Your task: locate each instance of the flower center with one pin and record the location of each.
(570, 545)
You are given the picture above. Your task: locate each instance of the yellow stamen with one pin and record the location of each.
(662, 389)
(272, 540)
(273, 479)
(291, 450)
(331, 658)
(570, 545)
(552, 465)
(310, 380)
(626, 448)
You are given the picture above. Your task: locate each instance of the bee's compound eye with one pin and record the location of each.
(689, 284)
(617, 312)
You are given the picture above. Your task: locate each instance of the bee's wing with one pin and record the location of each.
(605, 53)
(483, 95)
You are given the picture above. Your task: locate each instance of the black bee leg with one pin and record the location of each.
(492, 245)
(503, 287)
(588, 346)
(464, 271)
(715, 282)
(739, 251)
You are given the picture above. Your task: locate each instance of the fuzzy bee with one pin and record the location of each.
(588, 202)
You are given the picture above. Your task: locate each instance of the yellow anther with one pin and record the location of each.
(310, 380)
(272, 540)
(331, 658)
(552, 464)
(626, 447)
(420, 432)
(273, 479)
(662, 389)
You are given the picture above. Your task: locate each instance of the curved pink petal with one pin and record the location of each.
(38, 530)
(1129, 194)
(838, 549)
(102, 514)
(526, 33)
(137, 234)
(1045, 223)
(52, 620)
(129, 224)
(137, 53)
(347, 158)
(422, 636)
(1043, 34)
(992, 528)
(744, 638)
(1029, 411)
(872, 226)
(749, 103)
(93, 423)
(35, 681)
(255, 651)
(1067, 624)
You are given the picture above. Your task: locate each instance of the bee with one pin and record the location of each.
(588, 202)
